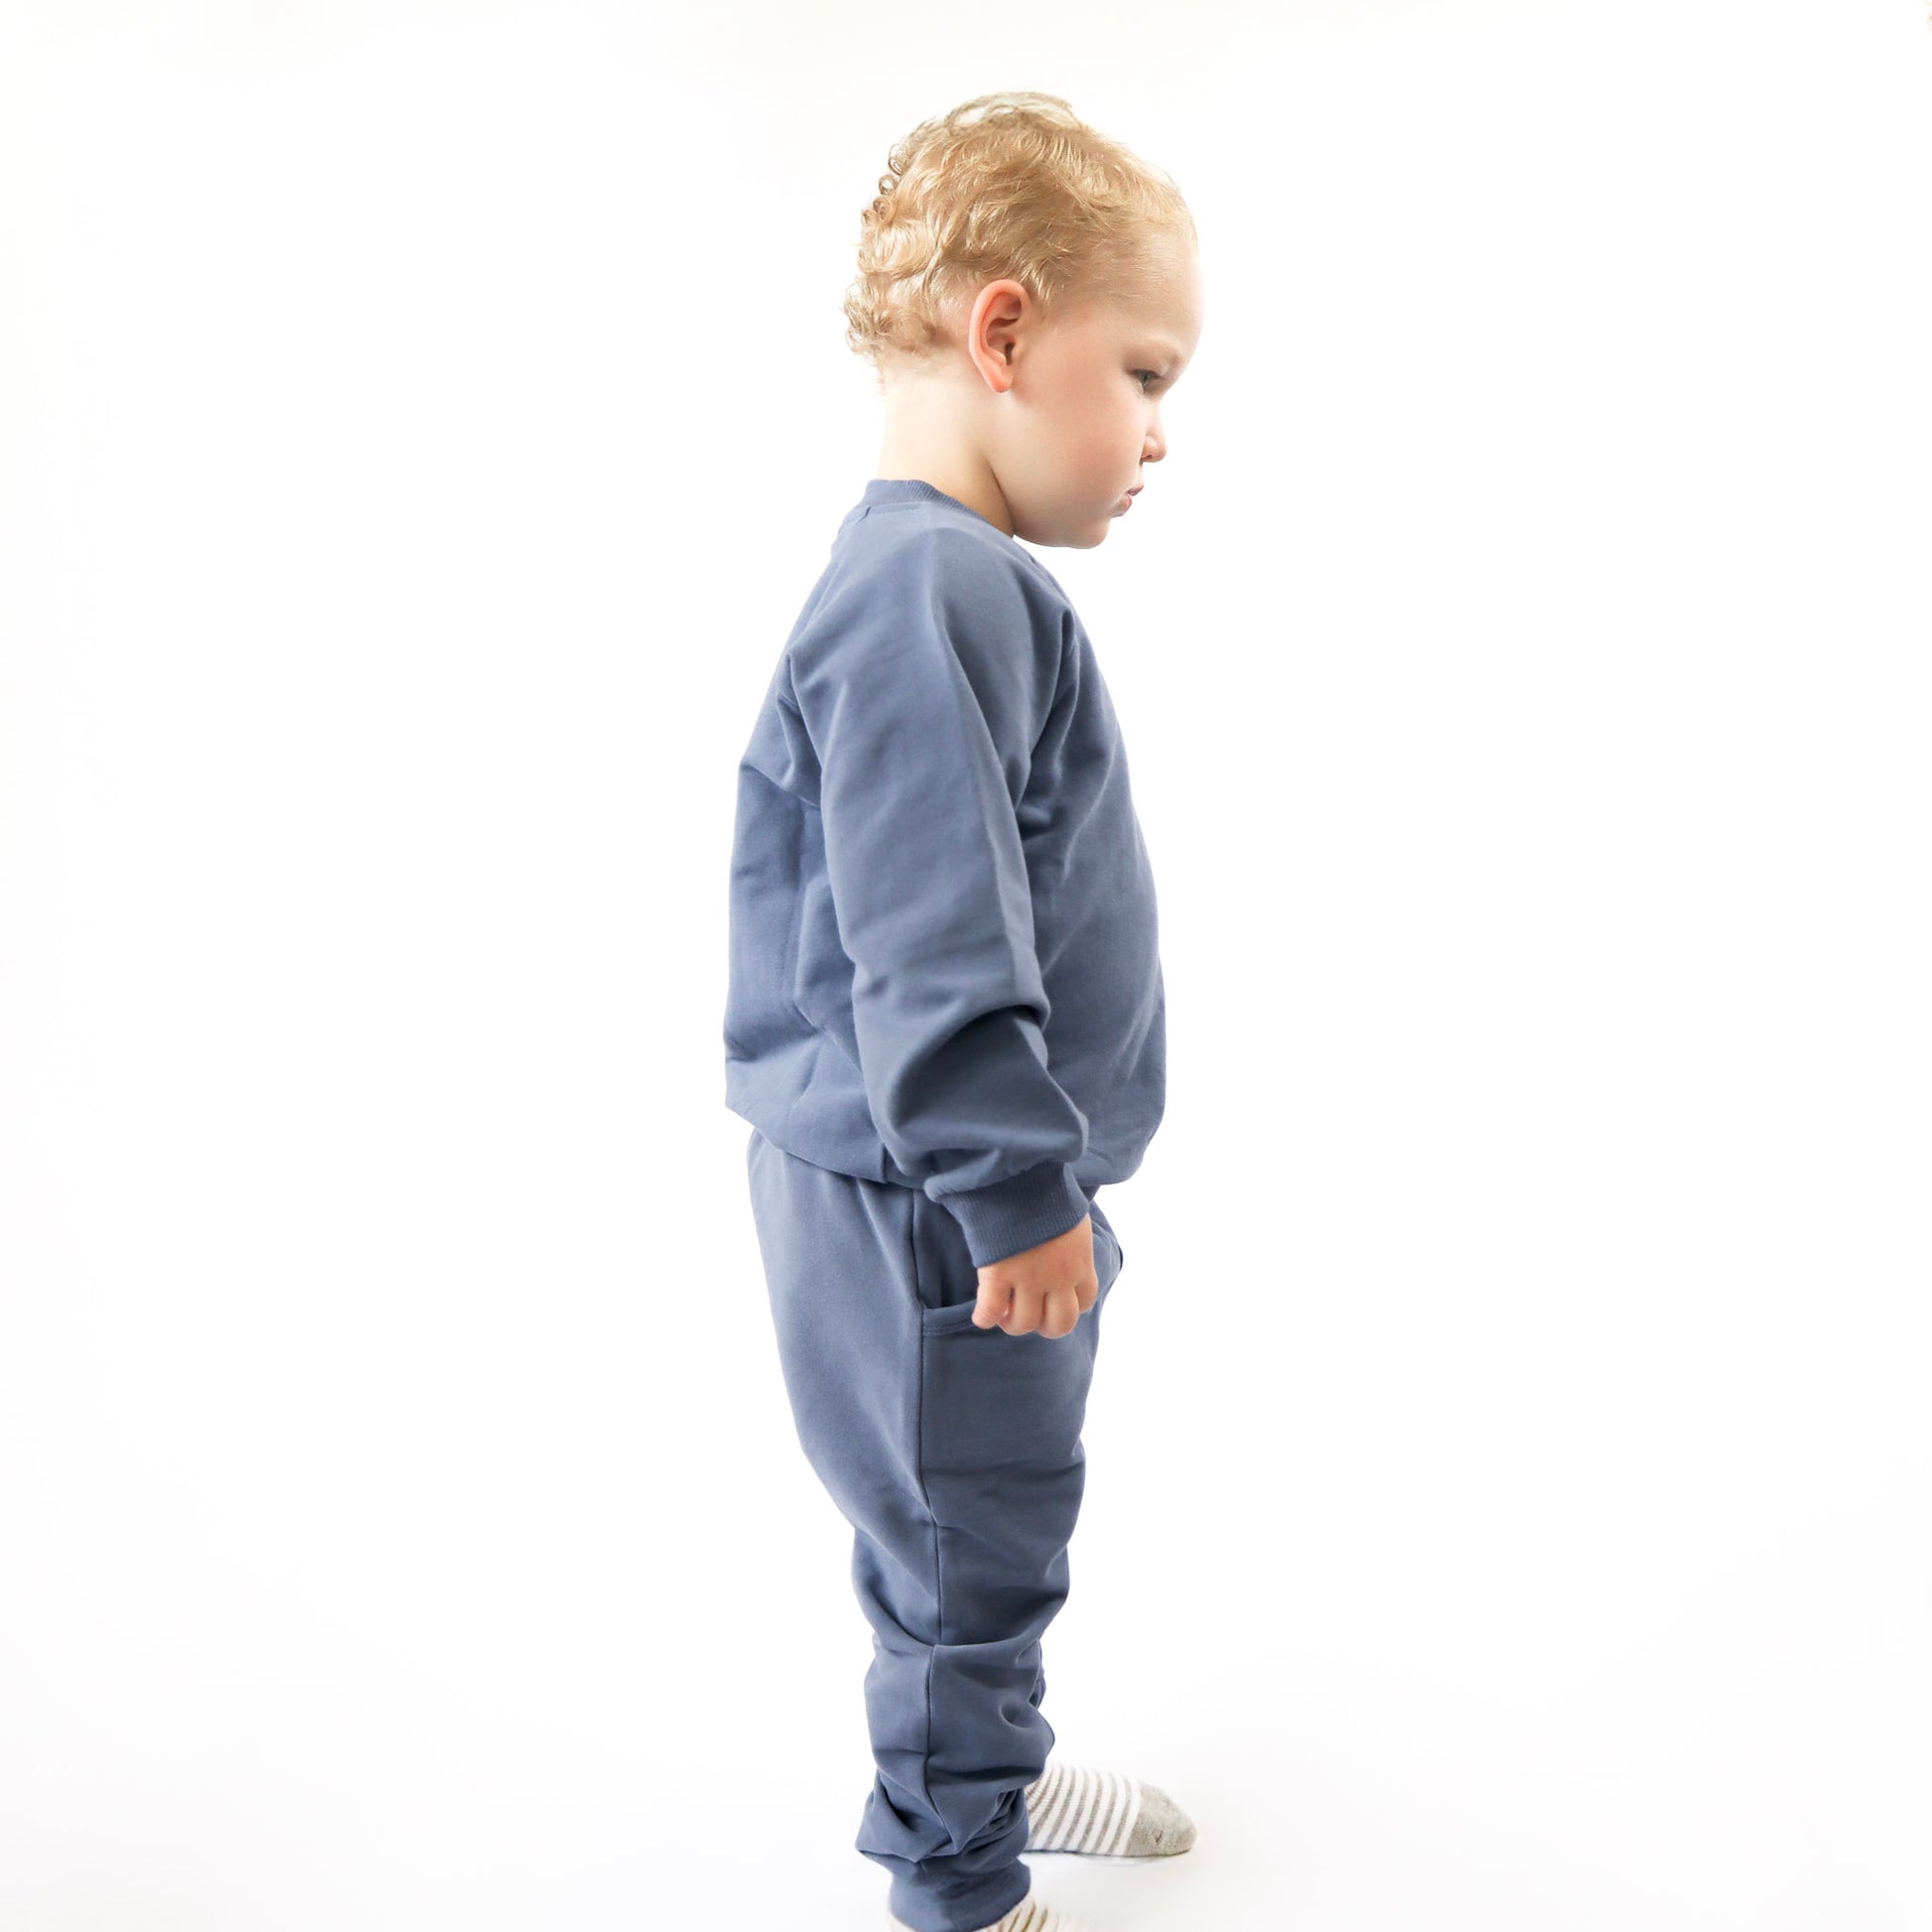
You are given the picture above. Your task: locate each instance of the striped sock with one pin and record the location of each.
(1105, 1814)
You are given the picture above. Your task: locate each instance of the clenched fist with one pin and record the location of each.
(1048, 1288)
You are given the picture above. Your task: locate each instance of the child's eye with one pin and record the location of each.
(1153, 375)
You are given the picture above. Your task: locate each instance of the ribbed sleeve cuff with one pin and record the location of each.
(1007, 1217)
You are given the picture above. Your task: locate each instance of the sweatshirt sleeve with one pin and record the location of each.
(923, 689)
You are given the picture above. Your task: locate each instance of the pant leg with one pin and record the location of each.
(956, 1454)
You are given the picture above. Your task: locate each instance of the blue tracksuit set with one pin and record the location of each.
(946, 1025)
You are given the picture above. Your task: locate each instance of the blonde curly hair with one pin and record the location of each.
(1007, 184)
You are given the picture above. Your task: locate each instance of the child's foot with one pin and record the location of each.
(1029, 1915)
(1103, 1813)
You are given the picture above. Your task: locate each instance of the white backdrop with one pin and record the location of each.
(419, 427)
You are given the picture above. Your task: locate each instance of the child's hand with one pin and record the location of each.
(1048, 1288)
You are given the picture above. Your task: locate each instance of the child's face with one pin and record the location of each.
(1082, 415)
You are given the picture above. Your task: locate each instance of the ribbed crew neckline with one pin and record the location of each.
(912, 490)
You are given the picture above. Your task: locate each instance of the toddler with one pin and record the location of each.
(945, 1021)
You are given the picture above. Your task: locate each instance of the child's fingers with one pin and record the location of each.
(994, 1303)
(1065, 1308)
(1049, 1313)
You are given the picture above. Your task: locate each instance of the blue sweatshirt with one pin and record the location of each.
(944, 968)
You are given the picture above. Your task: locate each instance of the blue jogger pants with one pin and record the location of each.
(956, 1454)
